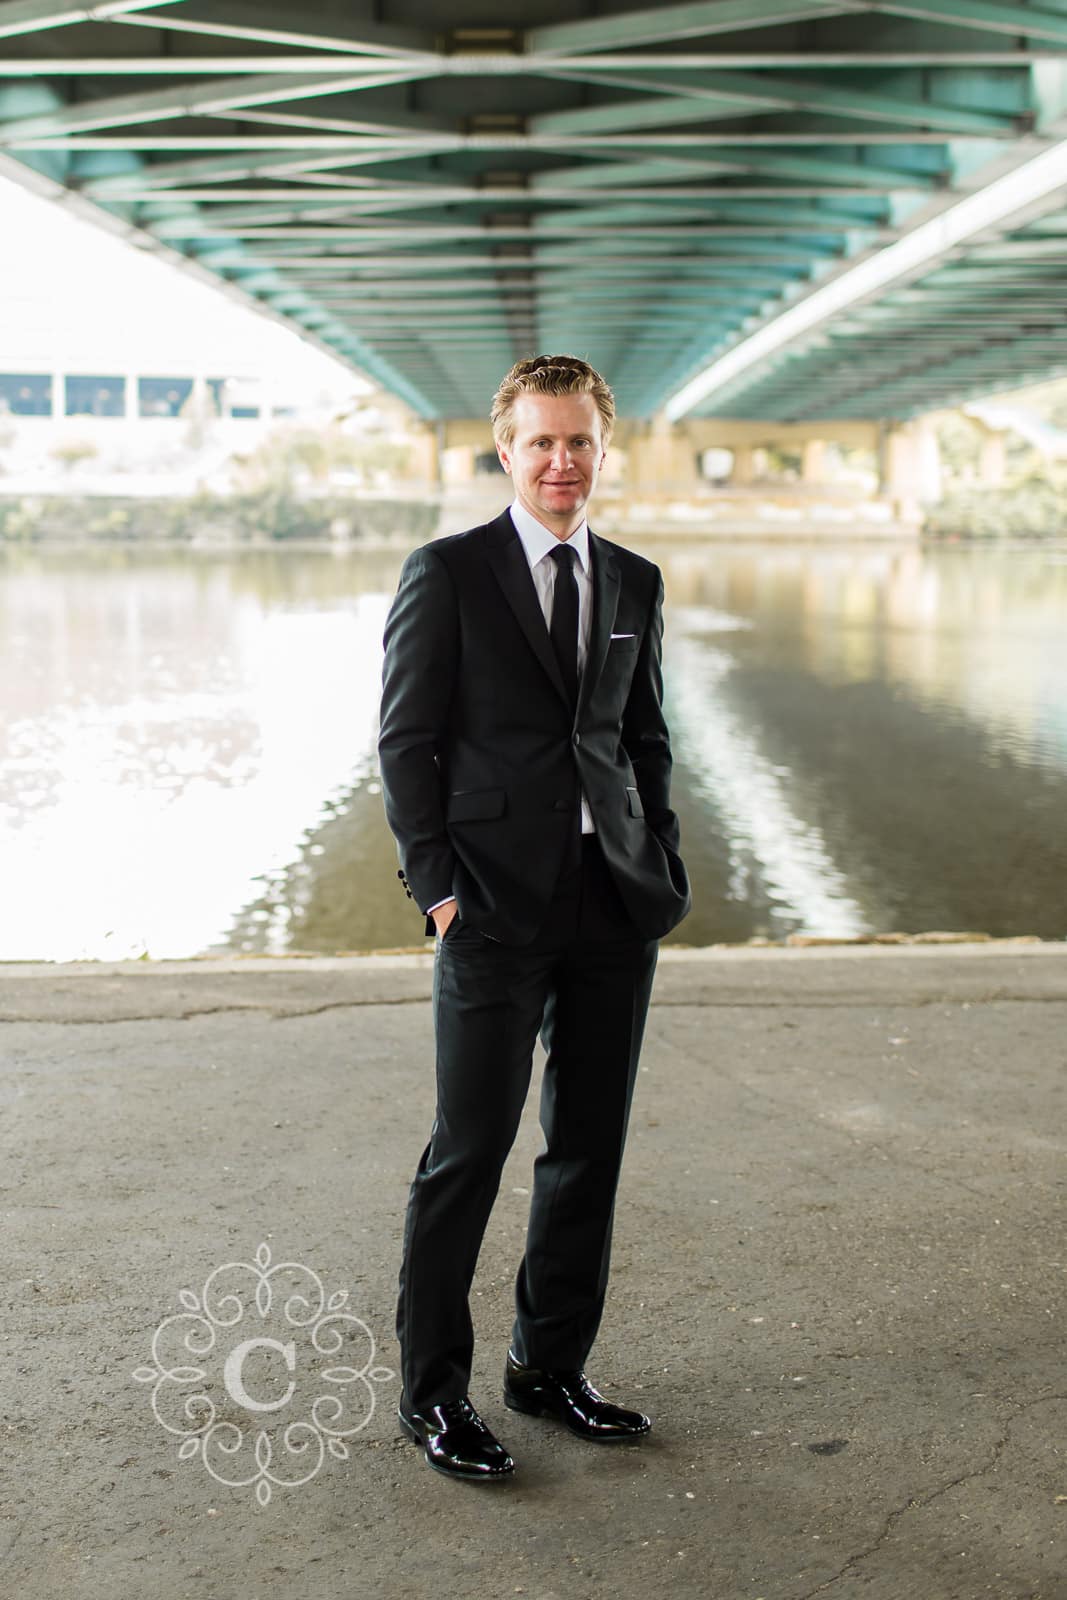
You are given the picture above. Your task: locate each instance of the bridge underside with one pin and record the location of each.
(650, 186)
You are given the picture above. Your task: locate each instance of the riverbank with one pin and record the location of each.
(838, 1282)
(1030, 513)
(280, 515)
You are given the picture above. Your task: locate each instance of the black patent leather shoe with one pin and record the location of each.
(571, 1399)
(457, 1441)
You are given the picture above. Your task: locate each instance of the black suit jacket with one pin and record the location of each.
(482, 758)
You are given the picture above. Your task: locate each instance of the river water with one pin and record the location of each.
(868, 739)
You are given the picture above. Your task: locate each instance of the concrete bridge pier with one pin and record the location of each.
(813, 461)
(744, 467)
(909, 466)
(663, 459)
(658, 459)
(426, 455)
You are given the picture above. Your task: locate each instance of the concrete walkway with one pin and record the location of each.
(839, 1287)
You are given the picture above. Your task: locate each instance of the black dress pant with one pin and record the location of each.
(584, 984)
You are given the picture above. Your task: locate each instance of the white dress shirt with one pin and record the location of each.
(538, 543)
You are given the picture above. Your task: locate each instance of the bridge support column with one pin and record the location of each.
(894, 463)
(664, 460)
(909, 463)
(743, 471)
(425, 457)
(813, 461)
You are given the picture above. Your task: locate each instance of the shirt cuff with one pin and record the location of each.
(438, 903)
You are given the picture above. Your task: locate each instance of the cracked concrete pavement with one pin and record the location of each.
(838, 1286)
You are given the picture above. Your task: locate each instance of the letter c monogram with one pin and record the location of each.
(233, 1374)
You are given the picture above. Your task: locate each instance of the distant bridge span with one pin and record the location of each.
(780, 210)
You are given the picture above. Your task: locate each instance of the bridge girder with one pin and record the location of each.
(649, 187)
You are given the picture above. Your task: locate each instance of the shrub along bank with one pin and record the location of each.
(256, 516)
(1035, 508)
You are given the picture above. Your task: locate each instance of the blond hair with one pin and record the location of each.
(557, 375)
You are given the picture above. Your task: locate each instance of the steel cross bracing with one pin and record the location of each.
(430, 194)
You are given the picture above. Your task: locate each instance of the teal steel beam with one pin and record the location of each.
(648, 111)
(427, 295)
(664, 197)
(944, 88)
(387, 68)
(664, 200)
(727, 259)
(186, 100)
(431, 290)
(465, 339)
(223, 169)
(593, 310)
(1028, 21)
(19, 17)
(271, 24)
(992, 275)
(917, 318)
(920, 46)
(767, 93)
(406, 147)
(411, 237)
(1029, 250)
(476, 64)
(672, 22)
(641, 244)
(806, 392)
(867, 213)
(805, 169)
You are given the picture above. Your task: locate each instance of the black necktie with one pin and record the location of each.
(563, 629)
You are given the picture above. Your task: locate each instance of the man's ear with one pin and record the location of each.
(503, 456)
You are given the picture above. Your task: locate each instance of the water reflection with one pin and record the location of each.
(775, 857)
(867, 738)
(171, 730)
(911, 704)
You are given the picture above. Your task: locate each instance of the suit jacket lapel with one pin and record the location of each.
(509, 563)
(605, 605)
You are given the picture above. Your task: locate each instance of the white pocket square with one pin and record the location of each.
(624, 636)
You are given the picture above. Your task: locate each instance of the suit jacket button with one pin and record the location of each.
(576, 739)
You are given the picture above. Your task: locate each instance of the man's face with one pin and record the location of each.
(555, 456)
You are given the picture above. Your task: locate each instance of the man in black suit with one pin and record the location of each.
(526, 773)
